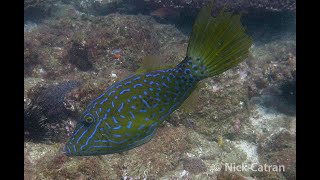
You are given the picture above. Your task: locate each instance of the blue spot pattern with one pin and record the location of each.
(162, 91)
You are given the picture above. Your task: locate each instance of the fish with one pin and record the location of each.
(128, 113)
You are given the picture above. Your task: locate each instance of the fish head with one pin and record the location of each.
(93, 136)
(84, 136)
(96, 135)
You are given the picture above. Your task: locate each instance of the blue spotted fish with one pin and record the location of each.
(129, 112)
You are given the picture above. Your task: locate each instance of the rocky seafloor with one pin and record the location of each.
(246, 116)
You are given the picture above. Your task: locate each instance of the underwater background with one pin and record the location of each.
(74, 50)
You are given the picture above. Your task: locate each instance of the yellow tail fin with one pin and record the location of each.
(218, 42)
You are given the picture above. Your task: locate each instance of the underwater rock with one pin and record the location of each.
(42, 54)
(278, 104)
(280, 149)
(233, 5)
(78, 56)
(271, 66)
(224, 175)
(90, 168)
(149, 161)
(31, 60)
(221, 101)
(268, 175)
(267, 5)
(288, 93)
(171, 9)
(162, 154)
(46, 116)
(137, 37)
(35, 10)
(194, 165)
(96, 7)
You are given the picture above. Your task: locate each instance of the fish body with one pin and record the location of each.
(129, 112)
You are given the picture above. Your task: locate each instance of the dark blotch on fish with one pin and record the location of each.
(79, 57)
(46, 117)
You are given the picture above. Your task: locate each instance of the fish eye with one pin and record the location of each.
(89, 119)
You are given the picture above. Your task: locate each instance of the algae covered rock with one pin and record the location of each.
(177, 7)
(152, 160)
(78, 56)
(280, 149)
(48, 116)
(233, 5)
(96, 7)
(194, 165)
